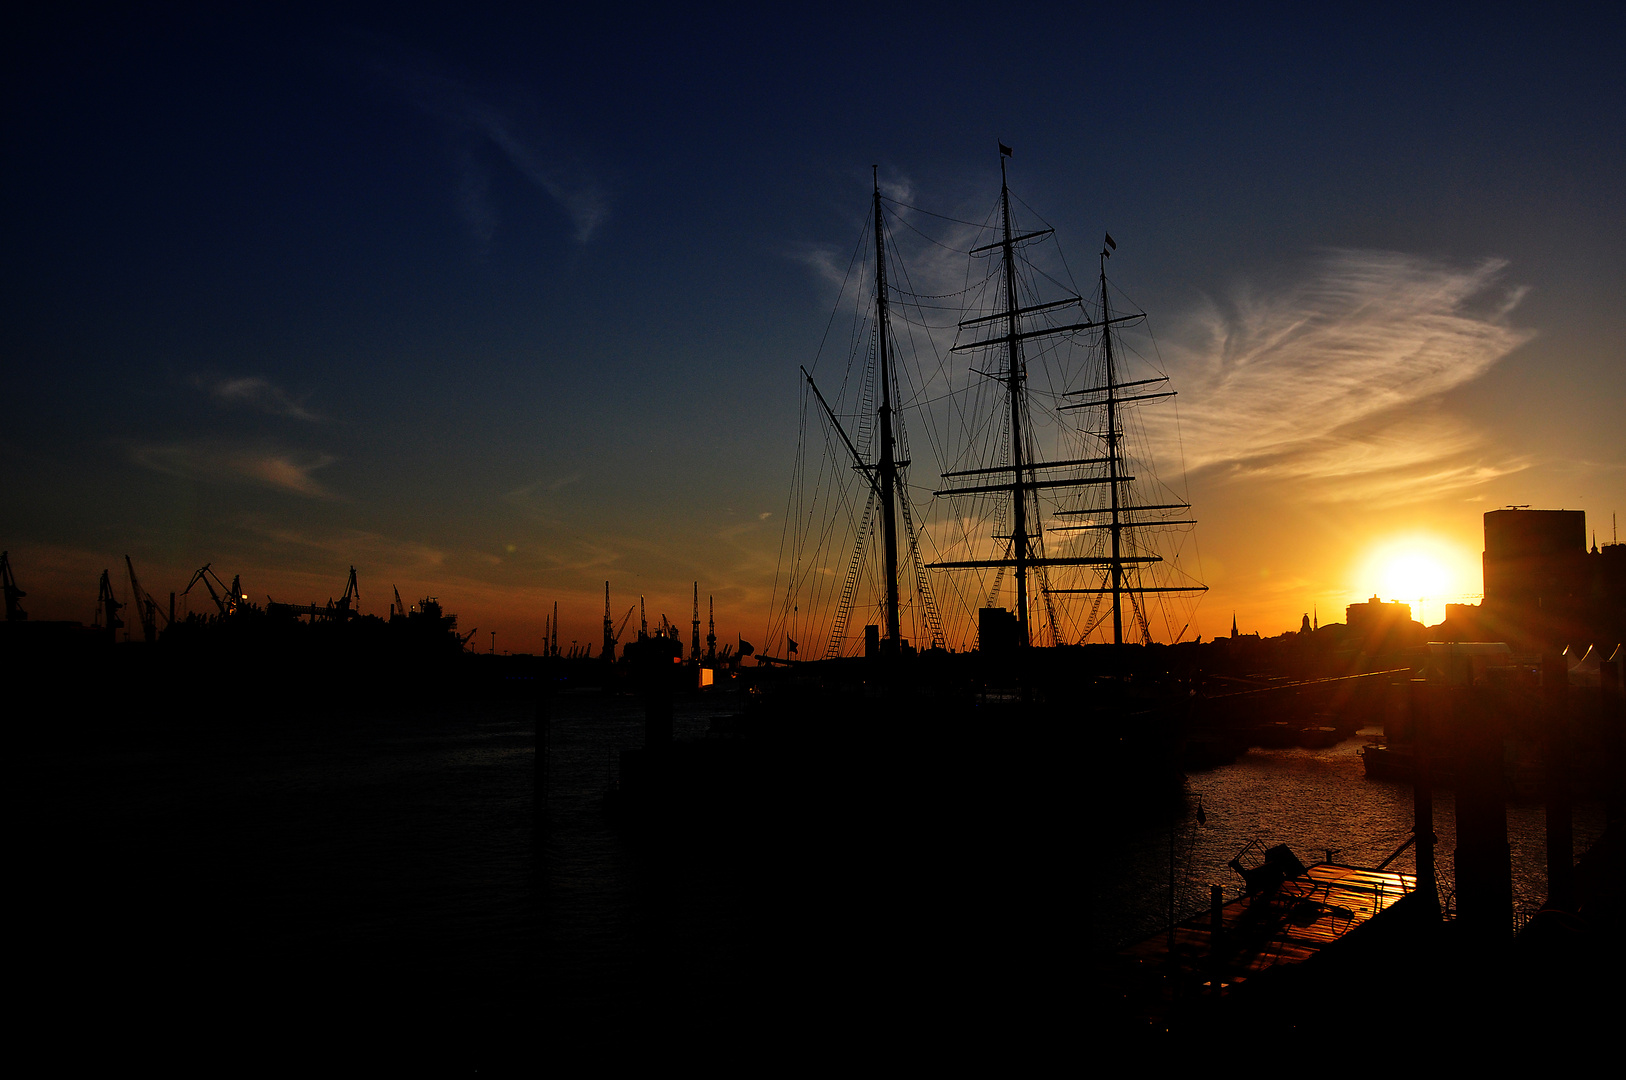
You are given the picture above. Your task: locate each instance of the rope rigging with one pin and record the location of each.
(1086, 536)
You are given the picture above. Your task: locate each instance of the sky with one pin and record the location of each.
(496, 308)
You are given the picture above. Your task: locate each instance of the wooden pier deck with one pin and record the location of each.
(1146, 982)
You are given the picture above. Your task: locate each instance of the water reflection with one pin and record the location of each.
(1313, 801)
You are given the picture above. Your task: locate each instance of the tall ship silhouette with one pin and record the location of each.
(1047, 523)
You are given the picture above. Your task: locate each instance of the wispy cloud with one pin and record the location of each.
(281, 470)
(257, 393)
(824, 261)
(514, 129)
(1316, 382)
(1415, 459)
(356, 546)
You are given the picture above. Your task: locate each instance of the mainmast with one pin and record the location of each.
(1013, 382)
(888, 467)
(1113, 437)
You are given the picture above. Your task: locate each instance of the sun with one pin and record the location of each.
(1421, 570)
(1413, 575)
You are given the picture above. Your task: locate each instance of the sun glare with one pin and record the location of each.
(1414, 575)
(1422, 571)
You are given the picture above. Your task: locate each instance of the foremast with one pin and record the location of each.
(888, 465)
(883, 474)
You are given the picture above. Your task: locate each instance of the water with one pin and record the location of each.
(1313, 801)
(623, 912)
(633, 919)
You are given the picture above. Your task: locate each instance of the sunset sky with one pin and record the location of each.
(496, 309)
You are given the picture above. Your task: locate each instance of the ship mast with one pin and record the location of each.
(888, 466)
(1118, 522)
(1013, 382)
(882, 475)
(1023, 473)
(1113, 457)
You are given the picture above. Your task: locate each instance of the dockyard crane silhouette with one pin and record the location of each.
(107, 608)
(14, 610)
(694, 651)
(351, 600)
(146, 607)
(226, 599)
(711, 629)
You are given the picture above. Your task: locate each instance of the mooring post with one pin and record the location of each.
(1555, 686)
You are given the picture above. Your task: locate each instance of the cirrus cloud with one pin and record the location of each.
(1320, 382)
(257, 393)
(279, 469)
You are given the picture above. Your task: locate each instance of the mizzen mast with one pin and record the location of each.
(1119, 521)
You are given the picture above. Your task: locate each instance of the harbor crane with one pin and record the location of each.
(107, 608)
(694, 649)
(613, 638)
(350, 602)
(14, 610)
(227, 598)
(146, 607)
(711, 629)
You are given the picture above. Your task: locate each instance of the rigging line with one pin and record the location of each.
(921, 404)
(1032, 211)
(1065, 265)
(850, 262)
(1037, 270)
(921, 322)
(936, 438)
(790, 500)
(912, 355)
(935, 214)
(928, 239)
(904, 300)
(928, 296)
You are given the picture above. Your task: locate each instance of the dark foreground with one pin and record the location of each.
(328, 888)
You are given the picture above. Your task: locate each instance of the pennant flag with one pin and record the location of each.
(1111, 243)
(1005, 150)
(792, 645)
(746, 648)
